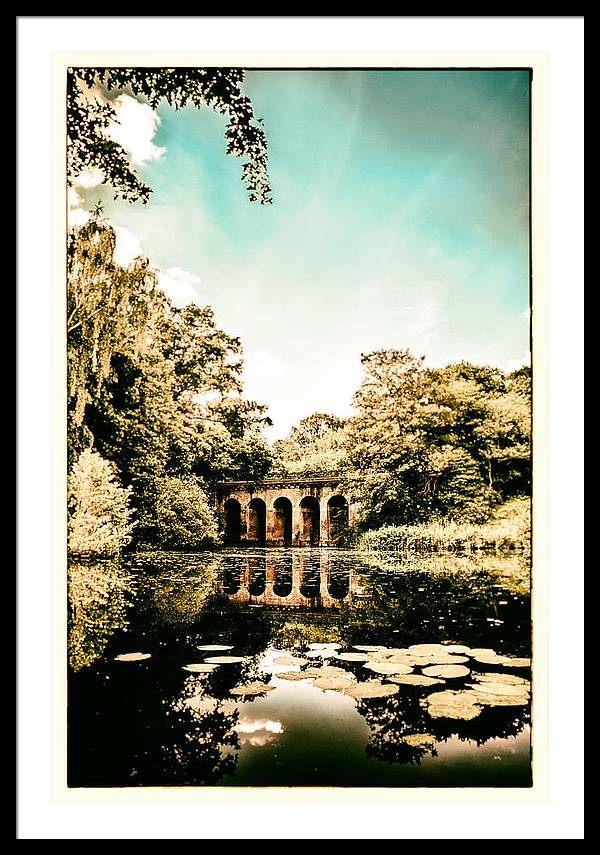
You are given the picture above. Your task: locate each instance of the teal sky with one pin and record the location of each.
(400, 219)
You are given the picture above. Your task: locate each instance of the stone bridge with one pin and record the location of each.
(284, 512)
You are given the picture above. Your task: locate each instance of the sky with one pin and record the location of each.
(400, 219)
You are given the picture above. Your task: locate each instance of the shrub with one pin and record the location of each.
(179, 515)
(100, 518)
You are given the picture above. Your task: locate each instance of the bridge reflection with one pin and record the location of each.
(289, 578)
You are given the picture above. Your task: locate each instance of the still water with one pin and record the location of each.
(299, 667)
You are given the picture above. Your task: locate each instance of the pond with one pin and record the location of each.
(299, 667)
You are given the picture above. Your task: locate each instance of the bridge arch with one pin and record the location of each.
(257, 522)
(310, 516)
(337, 519)
(233, 521)
(282, 521)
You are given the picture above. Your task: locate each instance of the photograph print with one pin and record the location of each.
(299, 410)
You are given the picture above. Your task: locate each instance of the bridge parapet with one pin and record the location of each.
(291, 511)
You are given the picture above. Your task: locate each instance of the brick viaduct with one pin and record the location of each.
(284, 512)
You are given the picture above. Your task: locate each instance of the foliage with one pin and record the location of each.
(180, 515)
(90, 112)
(317, 446)
(509, 529)
(436, 444)
(155, 389)
(100, 518)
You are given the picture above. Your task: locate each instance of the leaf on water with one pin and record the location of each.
(490, 659)
(132, 657)
(353, 657)
(323, 653)
(501, 689)
(388, 667)
(329, 671)
(440, 659)
(294, 675)
(426, 649)
(450, 704)
(371, 689)
(224, 660)
(446, 672)
(290, 660)
(517, 662)
(369, 648)
(414, 680)
(199, 668)
(457, 648)
(215, 647)
(500, 700)
(255, 688)
(337, 684)
(495, 677)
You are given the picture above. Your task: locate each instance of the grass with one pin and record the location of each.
(508, 530)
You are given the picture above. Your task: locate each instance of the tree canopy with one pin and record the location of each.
(90, 112)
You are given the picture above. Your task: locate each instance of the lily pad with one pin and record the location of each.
(490, 659)
(321, 653)
(132, 657)
(199, 668)
(450, 704)
(414, 680)
(505, 679)
(426, 649)
(331, 683)
(517, 662)
(440, 659)
(294, 675)
(215, 648)
(446, 672)
(328, 671)
(255, 688)
(371, 689)
(457, 648)
(290, 660)
(353, 657)
(501, 689)
(224, 660)
(369, 648)
(388, 667)
(490, 700)
(324, 646)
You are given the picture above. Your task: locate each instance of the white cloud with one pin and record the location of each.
(513, 364)
(89, 178)
(127, 246)
(258, 732)
(135, 129)
(180, 285)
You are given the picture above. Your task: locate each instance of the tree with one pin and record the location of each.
(316, 446)
(89, 113)
(100, 518)
(180, 515)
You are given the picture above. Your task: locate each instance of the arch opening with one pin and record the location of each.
(310, 521)
(233, 521)
(282, 521)
(337, 520)
(256, 569)
(257, 522)
(282, 586)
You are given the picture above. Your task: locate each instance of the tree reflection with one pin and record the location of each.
(98, 597)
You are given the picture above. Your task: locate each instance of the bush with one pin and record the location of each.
(179, 515)
(100, 520)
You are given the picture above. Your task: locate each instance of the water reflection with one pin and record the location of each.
(152, 723)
